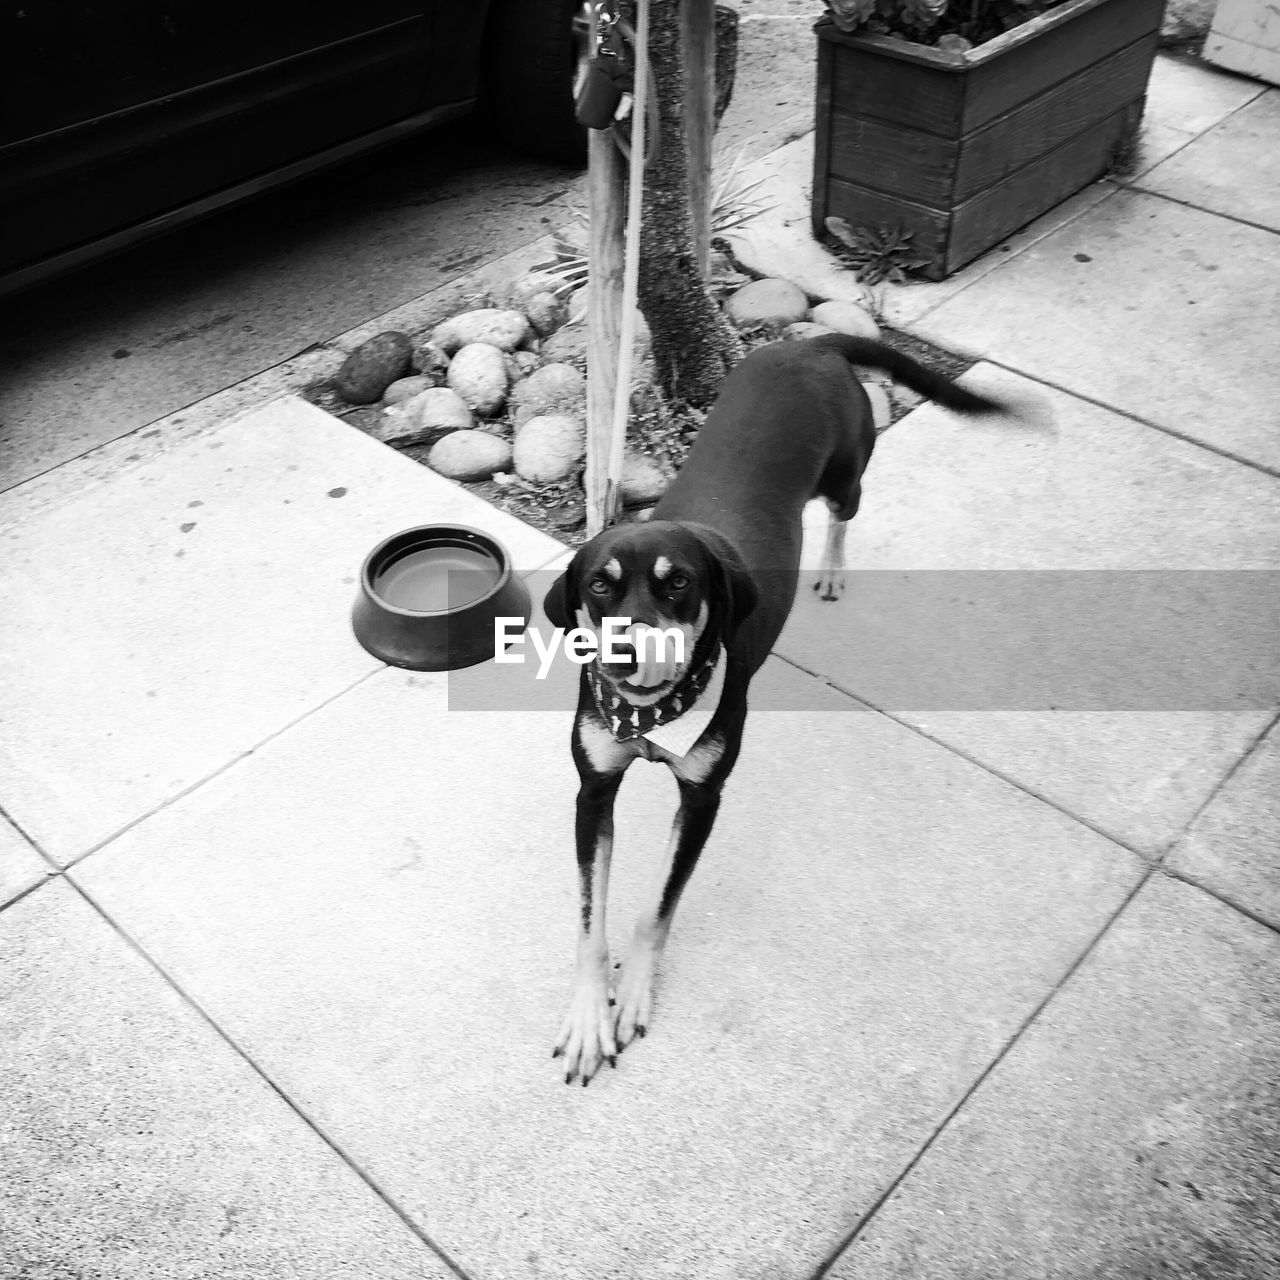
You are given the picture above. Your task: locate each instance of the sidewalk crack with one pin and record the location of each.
(865, 1220)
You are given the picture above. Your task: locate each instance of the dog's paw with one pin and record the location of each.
(635, 999)
(829, 584)
(586, 1036)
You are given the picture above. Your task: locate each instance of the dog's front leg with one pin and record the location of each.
(693, 822)
(586, 1037)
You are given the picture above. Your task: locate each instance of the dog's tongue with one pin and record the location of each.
(648, 674)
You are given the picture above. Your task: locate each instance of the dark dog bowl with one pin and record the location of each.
(429, 596)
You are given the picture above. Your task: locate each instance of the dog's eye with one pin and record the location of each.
(599, 586)
(678, 581)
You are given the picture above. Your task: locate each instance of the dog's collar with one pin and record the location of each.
(676, 721)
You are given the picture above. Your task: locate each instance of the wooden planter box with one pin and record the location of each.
(963, 149)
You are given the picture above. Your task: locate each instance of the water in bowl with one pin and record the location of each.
(436, 578)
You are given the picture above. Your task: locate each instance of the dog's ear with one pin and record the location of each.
(734, 585)
(564, 597)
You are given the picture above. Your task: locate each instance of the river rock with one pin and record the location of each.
(804, 329)
(403, 389)
(432, 363)
(551, 387)
(845, 317)
(470, 456)
(500, 327)
(478, 373)
(546, 313)
(530, 286)
(548, 448)
(428, 416)
(643, 481)
(774, 302)
(373, 366)
(567, 344)
(879, 398)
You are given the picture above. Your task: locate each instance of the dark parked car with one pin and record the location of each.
(123, 119)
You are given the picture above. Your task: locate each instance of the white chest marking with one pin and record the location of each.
(603, 750)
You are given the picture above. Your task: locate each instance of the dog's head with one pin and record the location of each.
(664, 576)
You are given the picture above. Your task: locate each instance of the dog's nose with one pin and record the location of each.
(625, 651)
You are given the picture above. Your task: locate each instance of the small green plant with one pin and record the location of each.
(877, 254)
(735, 201)
(952, 25)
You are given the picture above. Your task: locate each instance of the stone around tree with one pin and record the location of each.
(428, 416)
(546, 313)
(879, 398)
(803, 329)
(500, 327)
(771, 302)
(643, 481)
(470, 456)
(548, 448)
(551, 387)
(568, 343)
(845, 317)
(478, 373)
(432, 363)
(373, 366)
(403, 389)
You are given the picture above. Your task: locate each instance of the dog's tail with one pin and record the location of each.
(909, 372)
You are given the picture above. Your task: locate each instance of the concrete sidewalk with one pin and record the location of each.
(954, 992)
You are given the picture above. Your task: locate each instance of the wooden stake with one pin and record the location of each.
(606, 195)
(631, 262)
(698, 41)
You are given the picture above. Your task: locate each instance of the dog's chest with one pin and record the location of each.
(607, 755)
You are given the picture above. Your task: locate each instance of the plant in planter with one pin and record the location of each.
(956, 25)
(955, 122)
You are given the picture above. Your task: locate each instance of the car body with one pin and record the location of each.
(122, 120)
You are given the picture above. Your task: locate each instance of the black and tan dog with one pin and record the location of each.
(719, 563)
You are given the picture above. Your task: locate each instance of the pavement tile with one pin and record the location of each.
(28, 496)
(1192, 97)
(137, 1143)
(379, 906)
(1147, 306)
(1233, 847)
(1155, 144)
(200, 602)
(1132, 1131)
(903, 305)
(1097, 492)
(1233, 169)
(20, 865)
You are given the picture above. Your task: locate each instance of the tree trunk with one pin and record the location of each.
(694, 346)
